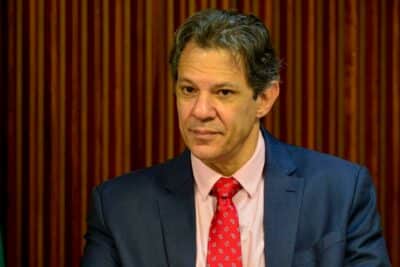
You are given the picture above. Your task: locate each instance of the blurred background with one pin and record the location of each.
(85, 95)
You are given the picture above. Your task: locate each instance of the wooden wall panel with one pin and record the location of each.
(3, 117)
(89, 96)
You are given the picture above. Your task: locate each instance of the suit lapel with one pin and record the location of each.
(282, 200)
(177, 213)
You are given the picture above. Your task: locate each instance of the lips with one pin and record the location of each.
(203, 133)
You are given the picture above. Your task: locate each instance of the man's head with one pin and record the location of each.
(245, 36)
(226, 80)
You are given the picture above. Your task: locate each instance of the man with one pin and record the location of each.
(237, 196)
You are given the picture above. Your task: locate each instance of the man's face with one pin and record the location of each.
(218, 116)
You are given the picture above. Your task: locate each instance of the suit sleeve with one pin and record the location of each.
(365, 242)
(100, 250)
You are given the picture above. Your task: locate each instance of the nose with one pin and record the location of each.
(203, 108)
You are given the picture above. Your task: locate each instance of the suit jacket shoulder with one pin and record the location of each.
(142, 184)
(319, 210)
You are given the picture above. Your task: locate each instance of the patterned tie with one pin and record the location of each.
(224, 249)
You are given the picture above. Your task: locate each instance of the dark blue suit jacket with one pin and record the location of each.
(319, 211)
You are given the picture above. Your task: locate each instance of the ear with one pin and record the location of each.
(266, 99)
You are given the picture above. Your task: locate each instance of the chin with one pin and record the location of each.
(204, 153)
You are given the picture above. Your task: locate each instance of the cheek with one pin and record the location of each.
(238, 116)
(183, 110)
(180, 107)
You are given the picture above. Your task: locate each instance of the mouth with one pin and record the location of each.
(203, 133)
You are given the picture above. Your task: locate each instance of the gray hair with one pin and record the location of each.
(243, 35)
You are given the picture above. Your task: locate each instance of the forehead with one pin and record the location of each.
(210, 61)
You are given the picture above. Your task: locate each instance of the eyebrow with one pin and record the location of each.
(218, 85)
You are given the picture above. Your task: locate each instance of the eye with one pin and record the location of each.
(225, 92)
(187, 90)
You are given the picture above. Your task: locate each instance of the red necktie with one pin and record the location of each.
(224, 247)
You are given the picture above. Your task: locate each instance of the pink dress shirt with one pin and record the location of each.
(249, 202)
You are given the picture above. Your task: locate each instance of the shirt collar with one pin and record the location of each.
(249, 175)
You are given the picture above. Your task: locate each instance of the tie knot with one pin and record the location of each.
(225, 188)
